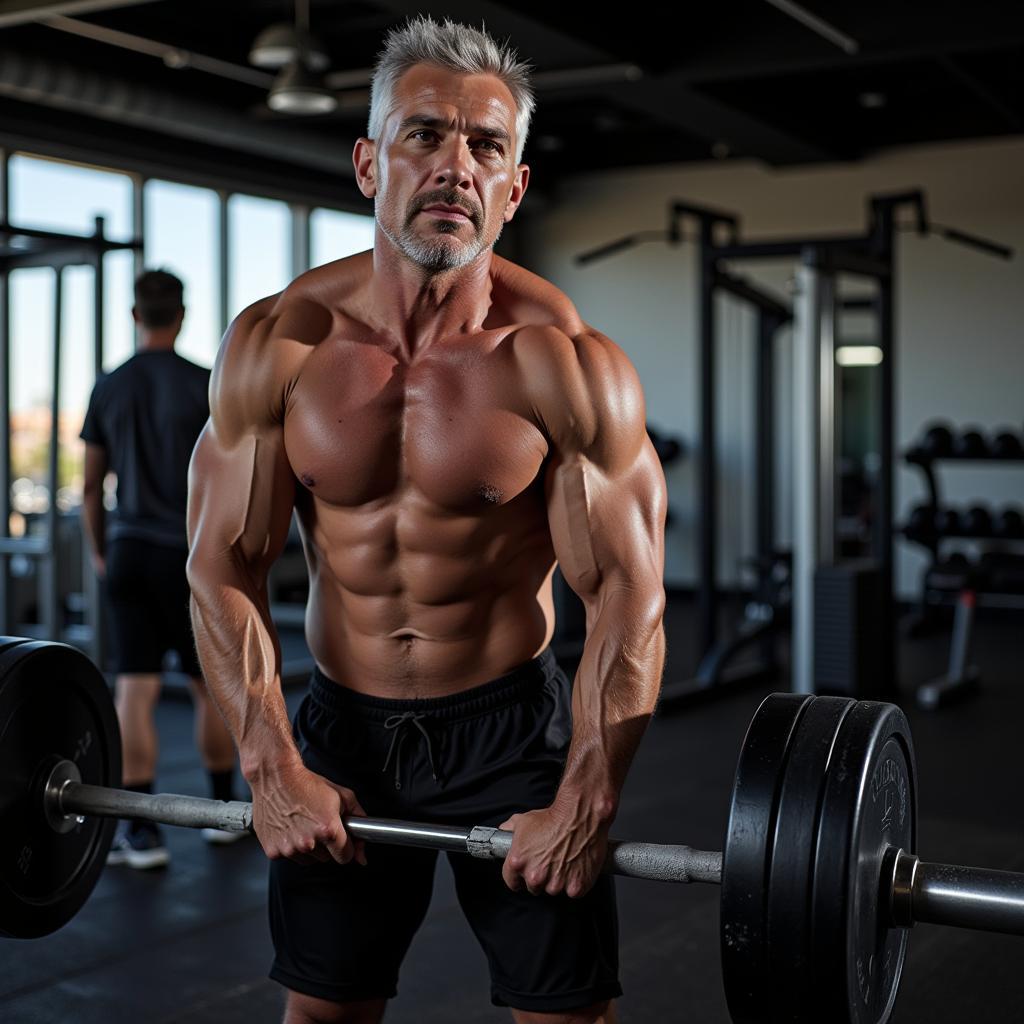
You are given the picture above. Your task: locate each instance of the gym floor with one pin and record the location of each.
(191, 943)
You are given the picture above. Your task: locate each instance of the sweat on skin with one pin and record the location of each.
(446, 426)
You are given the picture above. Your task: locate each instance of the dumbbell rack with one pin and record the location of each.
(966, 586)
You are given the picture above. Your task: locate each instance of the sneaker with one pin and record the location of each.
(140, 848)
(221, 836)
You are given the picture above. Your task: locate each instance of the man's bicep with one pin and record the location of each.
(241, 497)
(241, 488)
(605, 485)
(608, 524)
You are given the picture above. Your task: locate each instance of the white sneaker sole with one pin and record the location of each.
(140, 859)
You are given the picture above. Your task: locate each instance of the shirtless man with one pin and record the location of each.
(447, 427)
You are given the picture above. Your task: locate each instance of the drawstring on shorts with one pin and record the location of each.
(399, 726)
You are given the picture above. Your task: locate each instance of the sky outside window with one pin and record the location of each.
(259, 243)
(334, 234)
(182, 228)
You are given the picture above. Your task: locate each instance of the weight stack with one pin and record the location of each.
(849, 631)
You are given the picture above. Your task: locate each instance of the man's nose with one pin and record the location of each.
(454, 167)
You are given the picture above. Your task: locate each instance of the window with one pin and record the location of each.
(334, 234)
(57, 196)
(118, 296)
(182, 237)
(62, 197)
(31, 356)
(259, 247)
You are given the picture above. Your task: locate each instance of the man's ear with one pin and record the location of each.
(522, 179)
(364, 160)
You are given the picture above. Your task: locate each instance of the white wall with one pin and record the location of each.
(960, 314)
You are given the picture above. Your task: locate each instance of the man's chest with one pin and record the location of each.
(454, 424)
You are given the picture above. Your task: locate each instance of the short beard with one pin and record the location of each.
(437, 255)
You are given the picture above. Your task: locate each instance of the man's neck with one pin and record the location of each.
(417, 308)
(155, 341)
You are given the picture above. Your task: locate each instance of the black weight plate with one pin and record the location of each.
(746, 971)
(869, 805)
(792, 860)
(54, 705)
(7, 642)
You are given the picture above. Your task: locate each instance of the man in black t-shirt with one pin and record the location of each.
(142, 423)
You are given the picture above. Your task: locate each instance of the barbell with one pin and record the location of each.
(818, 885)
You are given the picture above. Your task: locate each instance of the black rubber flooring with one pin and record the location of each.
(191, 943)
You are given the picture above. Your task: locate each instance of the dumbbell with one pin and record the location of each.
(1007, 445)
(668, 449)
(948, 522)
(920, 522)
(1009, 523)
(970, 444)
(977, 522)
(937, 442)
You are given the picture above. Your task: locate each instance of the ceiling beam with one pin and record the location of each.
(744, 58)
(172, 56)
(1009, 115)
(21, 12)
(535, 41)
(668, 99)
(671, 100)
(817, 25)
(94, 94)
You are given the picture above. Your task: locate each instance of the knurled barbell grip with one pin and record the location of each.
(76, 798)
(68, 798)
(657, 862)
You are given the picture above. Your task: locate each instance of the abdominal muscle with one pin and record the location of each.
(408, 604)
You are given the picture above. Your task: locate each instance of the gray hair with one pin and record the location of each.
(453, 47)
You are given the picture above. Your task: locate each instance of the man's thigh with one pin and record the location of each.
(547, 954)
(340, 932)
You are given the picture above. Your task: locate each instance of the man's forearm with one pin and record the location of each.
(616, 690)
(94, 520)
(241, 658)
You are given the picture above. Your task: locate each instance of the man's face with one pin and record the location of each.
(443, 174)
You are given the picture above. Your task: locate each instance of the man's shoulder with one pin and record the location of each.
(303, 312)
(580, 382)
(551, 326)
(266, 347)
(190, 366)
(115, 379)
(532, 300)
(577, 358)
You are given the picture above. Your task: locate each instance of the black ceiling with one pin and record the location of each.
(736, 79)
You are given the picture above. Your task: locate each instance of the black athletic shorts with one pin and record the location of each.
(340, 932)
(147, 595)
